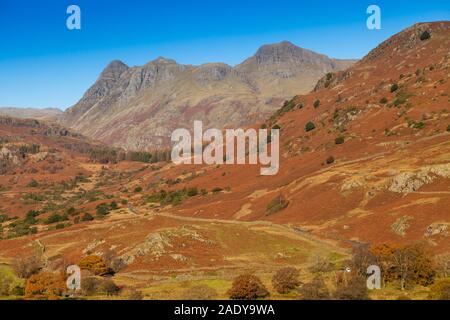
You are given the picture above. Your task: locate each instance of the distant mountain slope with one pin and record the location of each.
(31, 113)
(138, 107)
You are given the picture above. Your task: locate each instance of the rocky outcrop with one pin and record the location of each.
(407, 182)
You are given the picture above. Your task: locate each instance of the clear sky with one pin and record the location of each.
(43, 64)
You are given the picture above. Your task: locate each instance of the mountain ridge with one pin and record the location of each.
(138, 107)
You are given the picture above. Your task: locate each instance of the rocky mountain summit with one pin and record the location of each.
(138, 107)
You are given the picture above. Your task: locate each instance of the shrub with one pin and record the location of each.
(87, 217)
(169, 197)
(25, 267)
(330, 160)
(416, 125)
(354, 289)
(216, 190)
(134, 294)
(425, 36)
(277, 204)
(394, 87)
(247, 287)
(138, 189)
(94, 263)
(60, 226)
(440, 290)
(45, 285)
(109, 287)
(199, 292)
(448, 128)
(6, 283)
(285, 280)
(102, 209)
(21, 228)
(33, 184)
(90, 285)
(383, 100)
(401, 98)
(191, 192)
(30, 218)
(316, 103)
(18, 290)
(314, 290)
(309, 126)
(339, 140)
(55, 217)
(321, 264)
(71, 211)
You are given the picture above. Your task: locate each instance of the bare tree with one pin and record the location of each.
(26, 266)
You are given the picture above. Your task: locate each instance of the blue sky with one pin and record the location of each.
(43, 64)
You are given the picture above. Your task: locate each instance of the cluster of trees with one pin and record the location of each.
(402, 267)
(172, 197)
(149, 157)
(29, 148)
(286, 280)
(111, 155)
(405, 266)
(38, 280)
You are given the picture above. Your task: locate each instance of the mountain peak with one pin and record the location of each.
(163, 60)
(114, 69)
(278, 49)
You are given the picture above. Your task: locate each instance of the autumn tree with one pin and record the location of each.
(383, 255)
(440, 290)
(285, 280)
(413, 264)
(354, 288)
(90, 285)
(112, 261)
(314, 290)
(443, 265)
(362, 258)
(6, 283)
(109, 287)
(26, 266)
(247, 287)
(409, 265)
(45, 285)
(321, 264)
(95, 264)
